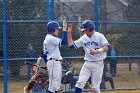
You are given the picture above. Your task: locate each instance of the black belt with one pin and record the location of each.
(55, 59)
(94, 61)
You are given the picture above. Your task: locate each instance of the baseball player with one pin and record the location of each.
(52, 54)
(95, 46)
(38, 74)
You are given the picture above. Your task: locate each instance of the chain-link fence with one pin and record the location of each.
(26, 23)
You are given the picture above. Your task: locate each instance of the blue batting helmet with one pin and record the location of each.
(87, 24)
(52, 25)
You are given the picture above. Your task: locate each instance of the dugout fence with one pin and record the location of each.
(24, 22)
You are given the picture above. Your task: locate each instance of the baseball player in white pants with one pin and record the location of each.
(52, 55)
(95, 46)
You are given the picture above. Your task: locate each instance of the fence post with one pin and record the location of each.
(50, 9)
(130, 65)
(4, 46)
(96, 14)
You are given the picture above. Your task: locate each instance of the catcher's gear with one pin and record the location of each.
(32, 82)
(52, 25)
(29, 63)
(25, 90)
(87, 24)
(29, 86)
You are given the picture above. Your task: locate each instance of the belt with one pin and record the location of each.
(94, 61)
(55, 59)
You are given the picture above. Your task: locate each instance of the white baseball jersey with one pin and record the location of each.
(97, 41)
(51, 47)
(90, 68)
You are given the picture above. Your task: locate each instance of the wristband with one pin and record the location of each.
(100, 50)
(64, 25)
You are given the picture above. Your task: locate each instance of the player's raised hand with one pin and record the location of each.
(69, 28)
(70, 41)
(64, 25)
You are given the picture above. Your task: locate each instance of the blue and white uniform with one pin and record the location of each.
(51, 49)
(52, 55)
(97, 41)
(93, 66)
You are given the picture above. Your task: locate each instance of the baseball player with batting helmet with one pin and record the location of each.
(52, 54)
(95, 46)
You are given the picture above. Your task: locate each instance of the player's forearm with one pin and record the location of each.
(64, 38)
(100, 50)
(70, 41)
(105, 49)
